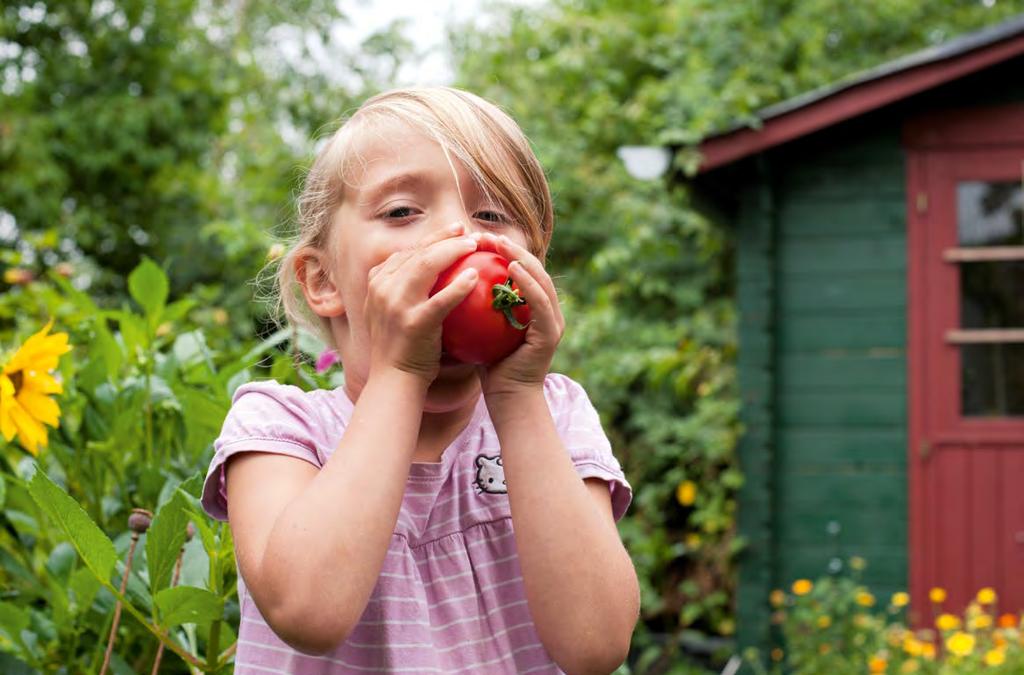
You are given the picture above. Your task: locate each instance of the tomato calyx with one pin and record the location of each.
(505, 298)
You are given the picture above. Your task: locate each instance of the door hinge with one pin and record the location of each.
(924, 449)
(922, 202)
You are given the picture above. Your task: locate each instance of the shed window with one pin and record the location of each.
(990, 256)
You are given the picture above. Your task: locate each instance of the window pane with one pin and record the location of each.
(990, 214)
(992, 295)
(992, 377)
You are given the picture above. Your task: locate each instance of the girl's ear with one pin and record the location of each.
(314, 276)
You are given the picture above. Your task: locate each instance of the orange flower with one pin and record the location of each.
(877, 664)
(802, 586)
(777, 598)
(937, 595)
(1008, 621)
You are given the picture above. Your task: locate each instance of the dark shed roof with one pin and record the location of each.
(866, 91)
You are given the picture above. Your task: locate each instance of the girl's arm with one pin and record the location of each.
(311, 543)
(580, 583)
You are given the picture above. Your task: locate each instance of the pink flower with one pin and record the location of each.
(327, 358)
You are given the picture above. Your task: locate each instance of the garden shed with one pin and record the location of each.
(879, 226)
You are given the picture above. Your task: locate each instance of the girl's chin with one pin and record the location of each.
(456, 385)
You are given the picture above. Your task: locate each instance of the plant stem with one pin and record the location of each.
(117, 605)
(213, 644)
(174, 582)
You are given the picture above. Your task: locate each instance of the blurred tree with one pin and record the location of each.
(647, 280)
(171, 128)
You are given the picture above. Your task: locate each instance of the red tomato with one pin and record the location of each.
(481, 329)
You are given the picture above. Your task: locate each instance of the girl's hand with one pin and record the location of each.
(403, 320)
(525, 368)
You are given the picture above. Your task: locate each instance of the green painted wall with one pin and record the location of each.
(820, 229)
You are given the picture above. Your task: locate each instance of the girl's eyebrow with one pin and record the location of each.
(373, 192)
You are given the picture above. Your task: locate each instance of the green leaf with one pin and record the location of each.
(188, 604)
(164, 540)
(13, 620)
(3, 491)
(93, 546)
(84, 587)
(149, 287)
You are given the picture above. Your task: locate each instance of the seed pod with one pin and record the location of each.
(139, 520)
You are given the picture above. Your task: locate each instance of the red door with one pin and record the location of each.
(966, 339)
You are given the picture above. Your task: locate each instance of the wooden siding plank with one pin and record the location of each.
(804, 218)
(853, 408)
(824, 447)
(818, 258)
(824, 366)
(838, 293)
(881, 331)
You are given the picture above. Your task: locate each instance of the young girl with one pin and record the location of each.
(427, 516)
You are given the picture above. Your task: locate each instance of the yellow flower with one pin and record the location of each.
(928, 650)
(802, 586)
(995, 657)
(858, 563)
(987, 596)
(937, 595)
(947, 622)
(877, 664)
(865, 599)
(960, 643)
(980, 621)
(824, 621)
(25, 385)
(913, 646)
(910, 666)
(686, 493)
(692, 540)
(900, 599)
(777, 598)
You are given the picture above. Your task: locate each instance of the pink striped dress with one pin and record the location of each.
(450, 597)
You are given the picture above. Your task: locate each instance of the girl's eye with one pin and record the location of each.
(399, 212)
(491, 216)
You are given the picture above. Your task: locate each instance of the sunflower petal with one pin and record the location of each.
(31, 433)
(42, 408)
(40, 382)
(39, 352)
(7, 402)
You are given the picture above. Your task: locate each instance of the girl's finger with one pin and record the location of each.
(428, 263)
(542, 313)
(514, 251)
(445, 300)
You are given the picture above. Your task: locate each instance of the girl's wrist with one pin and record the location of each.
(397, 379)
(515, 404)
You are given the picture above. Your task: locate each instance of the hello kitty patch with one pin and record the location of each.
(490, 476)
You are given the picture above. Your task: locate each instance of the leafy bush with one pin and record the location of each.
(144, 395)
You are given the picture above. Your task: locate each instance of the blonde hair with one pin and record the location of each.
(481, 137)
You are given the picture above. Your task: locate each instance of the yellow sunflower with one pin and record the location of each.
(25, 386)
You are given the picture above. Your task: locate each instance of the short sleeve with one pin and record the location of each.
(579, 426)
(264, 417)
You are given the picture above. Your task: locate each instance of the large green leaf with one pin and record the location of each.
(13, 620)
(188, 604)
(149, 287)
(164, 539)
(94, 547)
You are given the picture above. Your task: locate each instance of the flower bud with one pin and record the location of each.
(139, 520)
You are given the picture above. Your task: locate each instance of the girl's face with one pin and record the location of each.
(405, 189)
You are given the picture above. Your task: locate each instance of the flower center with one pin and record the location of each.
(16, 380)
